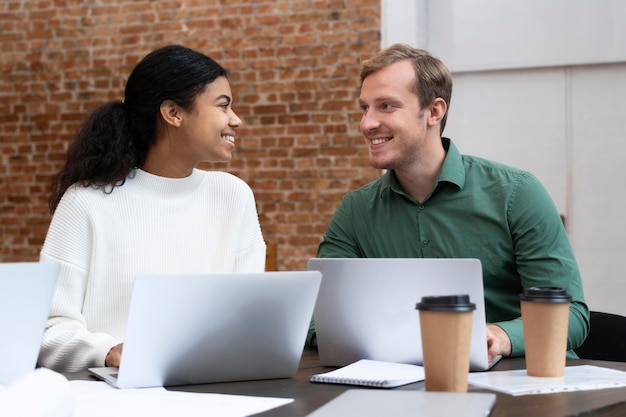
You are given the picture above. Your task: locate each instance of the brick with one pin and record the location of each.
(294, 68)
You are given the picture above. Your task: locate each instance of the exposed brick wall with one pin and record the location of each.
(294, 75)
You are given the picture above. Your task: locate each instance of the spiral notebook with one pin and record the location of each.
(372, 373)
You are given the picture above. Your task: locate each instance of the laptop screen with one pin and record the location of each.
(366, 307)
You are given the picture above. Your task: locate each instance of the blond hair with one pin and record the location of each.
(432, 78)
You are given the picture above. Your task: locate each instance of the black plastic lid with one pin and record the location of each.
(446, 303)
(546, 295)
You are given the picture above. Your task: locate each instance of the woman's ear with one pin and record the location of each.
(171, 114)
(437, 110)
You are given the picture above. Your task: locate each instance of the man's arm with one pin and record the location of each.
(544, 257)
(339, 241)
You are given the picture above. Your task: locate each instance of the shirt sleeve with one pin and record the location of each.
(339, 239)
(337, 242)
(544, 257)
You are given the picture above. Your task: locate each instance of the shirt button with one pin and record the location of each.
(425, 242)
(420, 207)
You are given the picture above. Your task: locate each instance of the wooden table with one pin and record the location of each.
(308, 396)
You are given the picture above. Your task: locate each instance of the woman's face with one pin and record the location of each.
(207, 132)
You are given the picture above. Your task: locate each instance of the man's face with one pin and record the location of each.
(393, 123)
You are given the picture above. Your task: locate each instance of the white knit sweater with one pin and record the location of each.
(203, 223)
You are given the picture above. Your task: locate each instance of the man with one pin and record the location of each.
(433, 202)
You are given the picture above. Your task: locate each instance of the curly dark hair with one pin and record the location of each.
(115, 138)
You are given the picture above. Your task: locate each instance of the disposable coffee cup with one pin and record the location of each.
(446, 330)
(545, 315)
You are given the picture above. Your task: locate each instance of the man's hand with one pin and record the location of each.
(114, 356)
(498, 342)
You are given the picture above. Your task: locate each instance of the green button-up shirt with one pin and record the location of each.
(476, 209)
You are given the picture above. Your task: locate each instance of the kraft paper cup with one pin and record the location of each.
(446, 330)
(545, 315)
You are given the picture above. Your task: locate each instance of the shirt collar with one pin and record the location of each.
(452, 171)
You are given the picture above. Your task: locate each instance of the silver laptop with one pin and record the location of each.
(366, 307)
(26, 291)
(196, 329)
(375, 403)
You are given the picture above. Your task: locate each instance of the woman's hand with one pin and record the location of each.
(114, 356)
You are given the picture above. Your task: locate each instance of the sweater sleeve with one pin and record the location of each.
(67, 344)
(250, 256)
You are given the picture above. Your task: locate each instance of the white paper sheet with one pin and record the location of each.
(576, 378)
(41, 393)
(98, 399)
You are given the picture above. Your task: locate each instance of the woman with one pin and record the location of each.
(130, 201)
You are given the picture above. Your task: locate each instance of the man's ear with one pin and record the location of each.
(171, 114)
(437, 110)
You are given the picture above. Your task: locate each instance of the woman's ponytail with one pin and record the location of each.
(101, 155)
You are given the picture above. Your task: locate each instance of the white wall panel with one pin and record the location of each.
(472, 35)
(517, 118)
(404, 21)
(599, 160)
